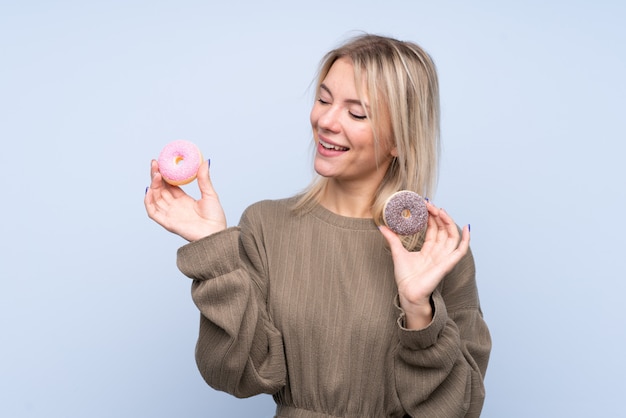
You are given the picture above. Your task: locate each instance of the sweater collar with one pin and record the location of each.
(325, 215)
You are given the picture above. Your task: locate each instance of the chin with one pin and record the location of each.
(322, 173)
(321, 170)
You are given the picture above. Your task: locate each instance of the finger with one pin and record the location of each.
(461, 249)
(394, 241)
(156, 180)
(465, 240)
(159, 196)
(446, 231)
(154, 168)
(149, 195)
(159, 188)
(204, 180)
(432, 229)
(432, 209)
(448, 222)
(443, 235)
(457, 243)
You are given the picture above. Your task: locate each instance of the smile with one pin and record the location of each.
(332, 147)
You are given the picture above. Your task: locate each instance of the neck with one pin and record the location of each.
(347, 200)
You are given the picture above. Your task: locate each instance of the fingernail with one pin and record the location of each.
(427, 199)
(469, 227)
(209, 161)
(147, 189)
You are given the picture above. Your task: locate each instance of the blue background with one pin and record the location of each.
(95, 319)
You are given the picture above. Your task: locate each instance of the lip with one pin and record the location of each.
(322, 140)
(329, 152)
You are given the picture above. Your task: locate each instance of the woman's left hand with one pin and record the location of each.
(418, 273)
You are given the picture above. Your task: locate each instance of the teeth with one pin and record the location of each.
(333, 147)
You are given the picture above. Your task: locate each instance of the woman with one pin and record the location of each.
(313, 300)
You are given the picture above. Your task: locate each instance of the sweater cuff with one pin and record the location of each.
(211, 256)
(423, 338)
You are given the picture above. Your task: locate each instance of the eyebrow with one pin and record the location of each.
(349, 101)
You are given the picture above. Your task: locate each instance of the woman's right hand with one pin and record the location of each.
(176, 211)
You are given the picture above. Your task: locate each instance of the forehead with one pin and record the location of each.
(343, 77)
(340, 68)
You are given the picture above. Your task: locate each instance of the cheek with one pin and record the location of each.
(387, 144)
(365, 136)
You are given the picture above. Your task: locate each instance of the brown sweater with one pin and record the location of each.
(304, 307)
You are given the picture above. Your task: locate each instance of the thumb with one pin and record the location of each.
(204, 180)
(395, 244)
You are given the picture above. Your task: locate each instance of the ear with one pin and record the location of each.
(394, 151)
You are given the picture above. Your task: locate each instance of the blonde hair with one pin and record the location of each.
(403, 88)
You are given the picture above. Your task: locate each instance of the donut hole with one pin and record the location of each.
(178, 160)
(406, 213)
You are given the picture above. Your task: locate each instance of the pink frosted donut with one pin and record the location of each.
(179, 162)
(405, 212)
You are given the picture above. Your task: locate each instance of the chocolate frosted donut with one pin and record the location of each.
(405, 212)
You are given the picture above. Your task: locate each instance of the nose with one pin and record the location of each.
(328, 118)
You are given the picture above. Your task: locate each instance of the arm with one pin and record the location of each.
(440, 369)
(444, 342)
(238, 351)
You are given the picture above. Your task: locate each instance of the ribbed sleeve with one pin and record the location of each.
(238, 350)
(304, 306)
(214, 256)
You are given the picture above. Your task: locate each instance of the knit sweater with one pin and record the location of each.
(305, 307)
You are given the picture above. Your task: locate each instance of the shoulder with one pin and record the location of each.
(265, 207)
(269, 213)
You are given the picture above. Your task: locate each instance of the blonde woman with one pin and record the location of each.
(311, 298)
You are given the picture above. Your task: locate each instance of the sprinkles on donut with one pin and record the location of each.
(405, 212)
(179, 162)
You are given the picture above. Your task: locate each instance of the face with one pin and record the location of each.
(345, 147)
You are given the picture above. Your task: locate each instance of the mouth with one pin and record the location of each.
(332, 147)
